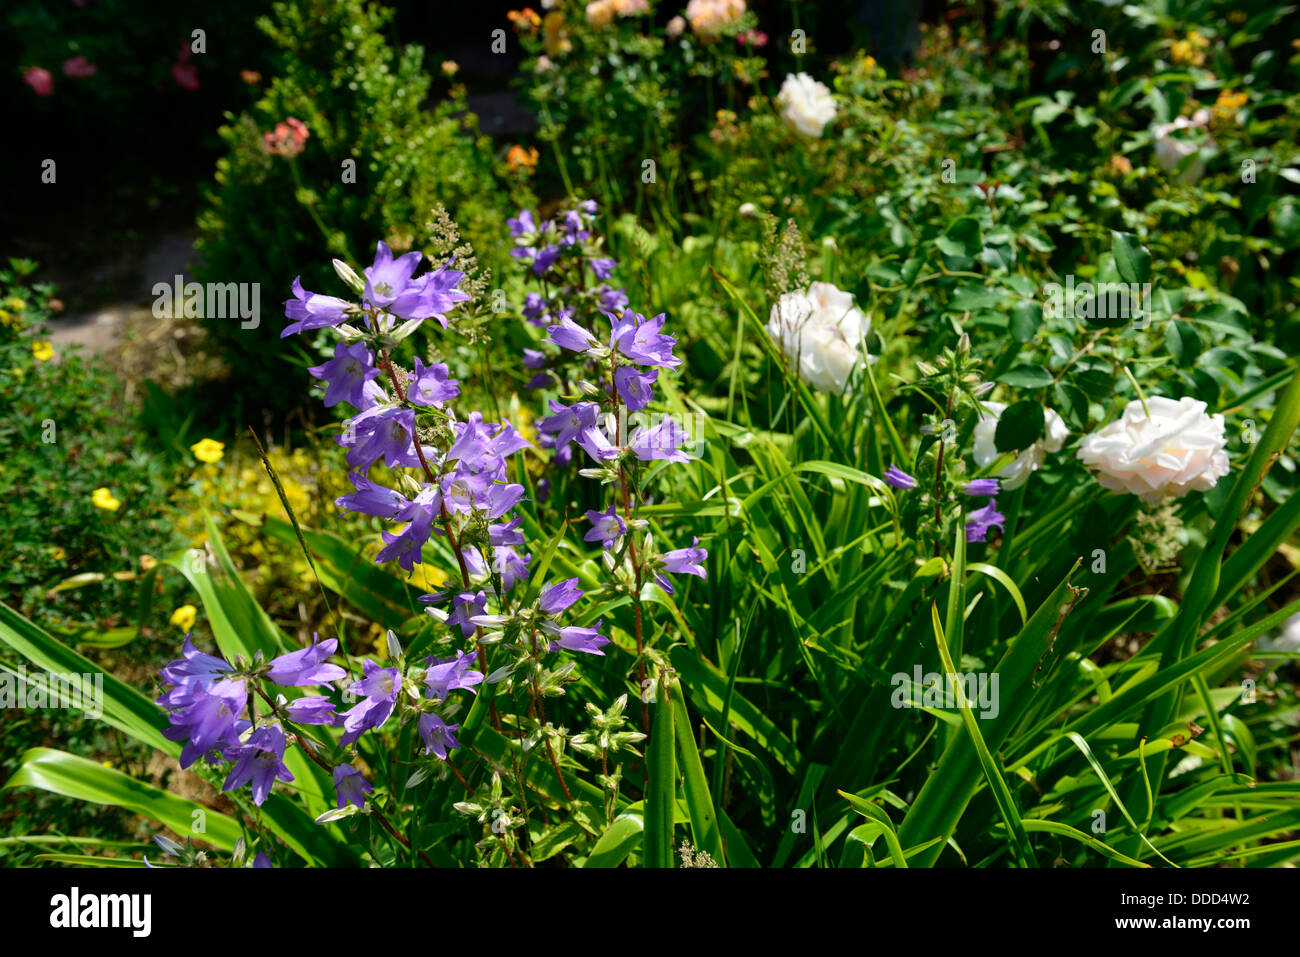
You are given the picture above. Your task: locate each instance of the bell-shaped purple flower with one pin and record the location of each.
(261, 762)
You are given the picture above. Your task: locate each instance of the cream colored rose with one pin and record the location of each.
(1178, 449)
(806, 104)
(1172, 150)
(1029, 460)
(822, 334)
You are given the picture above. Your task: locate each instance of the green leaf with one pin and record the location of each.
(1131, 258)
(1019, 426)
(1026, 377)
(1026, 318)
(992, 772)
(661, 790)
(619, 840)
(704, 820)
(61, 773)
(1183, 342)
(1072, 404)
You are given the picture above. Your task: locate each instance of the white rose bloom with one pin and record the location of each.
(1029, 460)
(1179, 449)
(806, 104)
(822, 334)
(1170, 150)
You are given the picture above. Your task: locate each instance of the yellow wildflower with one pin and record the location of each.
(103, 498)
(208, 450)
(183, 617)
(42, 350)
(1187, 52)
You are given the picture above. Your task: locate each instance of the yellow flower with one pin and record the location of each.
(58, 553)
(103, 498)
(14, 303)
(1187, 52)
(450, 67)
(42, 350)
(208, 450)
(183, 617)
(147, 562)
(1227, 105)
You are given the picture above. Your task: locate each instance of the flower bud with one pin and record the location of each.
(349, 276)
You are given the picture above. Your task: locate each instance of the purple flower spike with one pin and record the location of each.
(897, 478)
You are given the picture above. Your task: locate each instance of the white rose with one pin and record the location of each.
(1170, 150)
(1179, 449)
(1029, 460)
(806, 104)
(822, 334)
